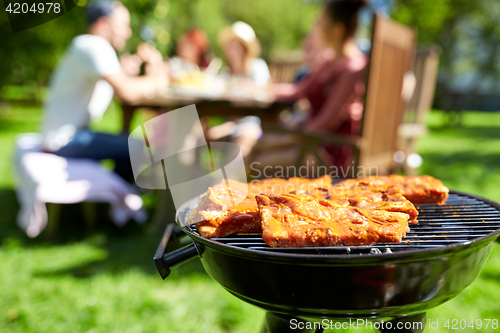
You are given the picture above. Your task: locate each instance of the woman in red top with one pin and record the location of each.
(335, 88)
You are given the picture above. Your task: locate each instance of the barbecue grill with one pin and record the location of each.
(437, 259)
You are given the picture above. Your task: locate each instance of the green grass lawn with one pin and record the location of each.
(104, 280)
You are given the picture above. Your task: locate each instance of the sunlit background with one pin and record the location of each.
(100, 278)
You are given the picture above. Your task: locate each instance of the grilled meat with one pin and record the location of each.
(227, 209)
(292, 221)
(421, 189)
(386, 197)
(354, 212)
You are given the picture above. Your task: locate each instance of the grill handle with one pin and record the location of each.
(165, 259)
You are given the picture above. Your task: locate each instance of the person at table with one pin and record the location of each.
(242, 50)
(335, 89)
(83, 84)
(191, 58)
(314, 54)
(192, 48)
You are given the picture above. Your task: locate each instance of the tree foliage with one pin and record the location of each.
(28, 57)
(466, 30)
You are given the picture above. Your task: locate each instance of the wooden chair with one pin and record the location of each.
(284, 67)
(426, 70)
(390, 58)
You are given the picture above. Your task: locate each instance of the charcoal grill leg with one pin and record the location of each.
(414, 324)
(278, 323)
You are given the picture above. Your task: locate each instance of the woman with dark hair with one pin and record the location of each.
(193, 47)
(334, 90)
(191, 58)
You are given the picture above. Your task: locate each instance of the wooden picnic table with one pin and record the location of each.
(226, 105)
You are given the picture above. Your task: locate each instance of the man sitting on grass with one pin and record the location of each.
(83, 85)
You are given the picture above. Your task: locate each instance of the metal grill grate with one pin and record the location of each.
(460, 220)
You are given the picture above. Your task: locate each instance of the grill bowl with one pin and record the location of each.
(445, 253)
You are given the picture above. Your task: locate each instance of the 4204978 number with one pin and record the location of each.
(455, 324)
(36, 8)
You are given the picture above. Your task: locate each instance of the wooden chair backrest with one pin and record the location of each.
(426, 70)
(390, 58)
(284, 71)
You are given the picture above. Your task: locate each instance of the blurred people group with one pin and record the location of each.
(241, 50)
(331, 80)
